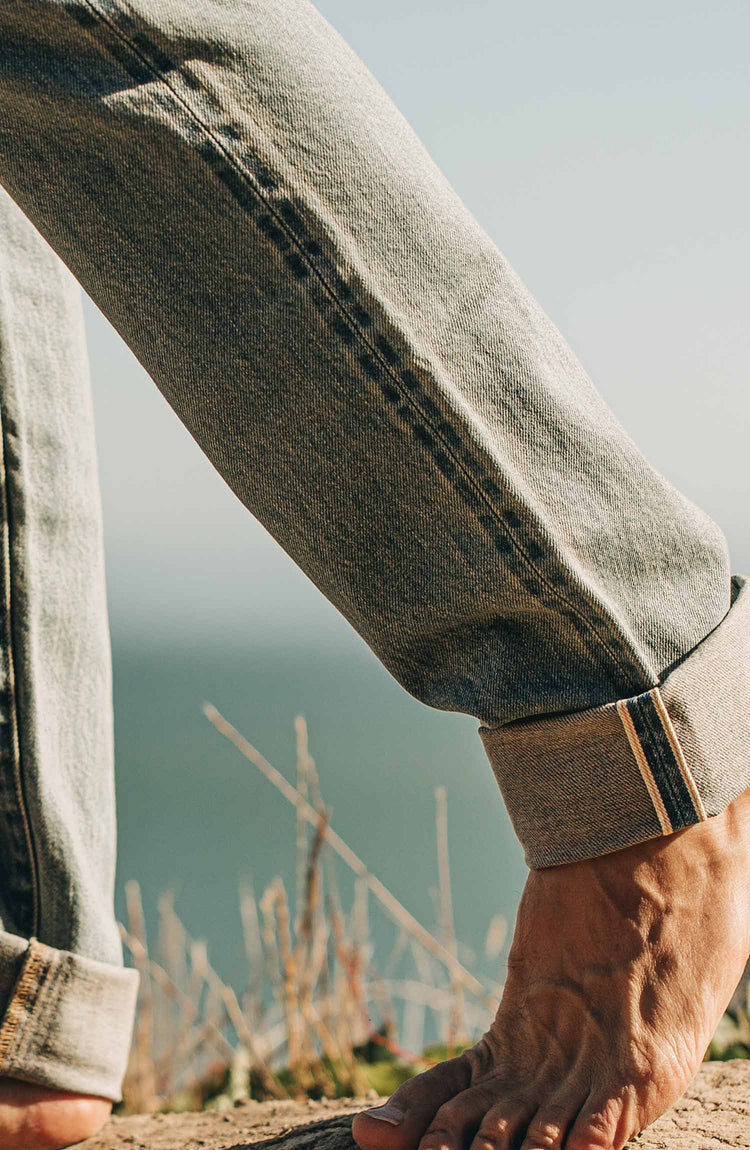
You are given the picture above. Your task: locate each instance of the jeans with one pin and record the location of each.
(244, 203)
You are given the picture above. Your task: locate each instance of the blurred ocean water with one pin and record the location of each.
(195, 818)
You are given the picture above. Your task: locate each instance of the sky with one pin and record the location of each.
(604, 148)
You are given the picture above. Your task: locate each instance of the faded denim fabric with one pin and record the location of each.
(244, 203)
(57, 825)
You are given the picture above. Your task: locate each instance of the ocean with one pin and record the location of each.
(196, 819)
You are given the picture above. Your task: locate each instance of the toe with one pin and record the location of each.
(401, 1122)
(502, 1124)
(606, 1125)
(457, 1121)
(547, 1128)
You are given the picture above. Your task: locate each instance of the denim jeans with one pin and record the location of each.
(247, 207)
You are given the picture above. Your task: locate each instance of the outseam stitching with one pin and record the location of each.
(11, 694)
(289, 233)
(644, 766)
(28, 981)
(666, 785)
(679, 754)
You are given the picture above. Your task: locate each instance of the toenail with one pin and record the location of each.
(387, 1113)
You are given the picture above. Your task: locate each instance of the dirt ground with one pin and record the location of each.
(713, 1114)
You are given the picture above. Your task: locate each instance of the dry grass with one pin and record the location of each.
(315, 1019)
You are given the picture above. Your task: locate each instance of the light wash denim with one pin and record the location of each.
(244, 203)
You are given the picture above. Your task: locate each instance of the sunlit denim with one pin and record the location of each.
(244, 203)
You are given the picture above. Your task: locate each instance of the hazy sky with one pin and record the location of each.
(605, 150)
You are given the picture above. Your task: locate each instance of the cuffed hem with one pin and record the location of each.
(585, 784)
(68, 1020)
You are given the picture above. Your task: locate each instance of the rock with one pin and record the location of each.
(713, 1114)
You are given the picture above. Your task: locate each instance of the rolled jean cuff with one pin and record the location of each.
(67, 1020)
(595, 781)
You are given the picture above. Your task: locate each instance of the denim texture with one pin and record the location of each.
(67, 1019)
(57, 825)
(245, 204)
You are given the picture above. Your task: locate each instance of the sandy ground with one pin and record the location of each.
(713, 1114)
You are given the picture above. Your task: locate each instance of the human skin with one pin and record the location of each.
(620, 969)
(36, 1118)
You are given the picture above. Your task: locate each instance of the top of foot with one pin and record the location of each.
(620, 969)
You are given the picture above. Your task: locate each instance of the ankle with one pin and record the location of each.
(36, 1118)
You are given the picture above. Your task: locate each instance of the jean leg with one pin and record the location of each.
(371, 378)
(350, 349)
(57, 826)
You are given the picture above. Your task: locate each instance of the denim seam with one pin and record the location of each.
(8, 600)
(667, 784)
(30, 981)
(669, 776)
(381, 350)
(679, 754)
(644, 766)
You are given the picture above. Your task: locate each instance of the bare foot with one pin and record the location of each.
(620, 969)
(35, 1118)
